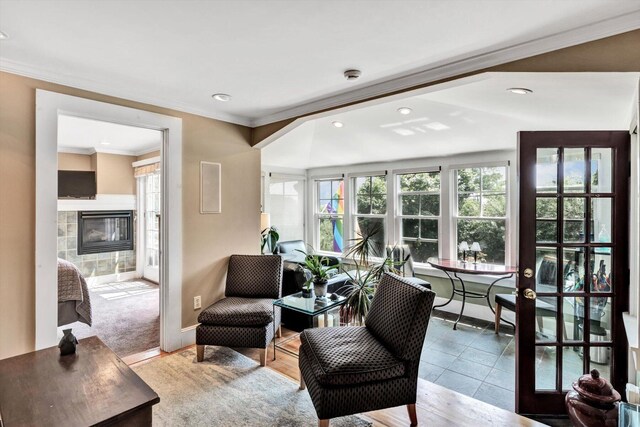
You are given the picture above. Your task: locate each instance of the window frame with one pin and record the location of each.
(317, 215)
(267, 203)
(454, 217)
(352, 215)
(398, 216)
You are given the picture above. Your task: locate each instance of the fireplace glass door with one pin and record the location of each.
(104, 231)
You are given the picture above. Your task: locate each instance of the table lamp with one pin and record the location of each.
(464, 247)
(475, 248)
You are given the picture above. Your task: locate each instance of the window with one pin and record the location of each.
(419, 213)
(370, 210)
(286, 206)
(329, 214)
(482, 210)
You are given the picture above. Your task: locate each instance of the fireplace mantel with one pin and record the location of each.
(102, 202)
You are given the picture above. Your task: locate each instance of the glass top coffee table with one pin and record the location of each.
(311, 307)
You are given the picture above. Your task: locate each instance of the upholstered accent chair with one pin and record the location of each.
(355, 369)
(245, 316)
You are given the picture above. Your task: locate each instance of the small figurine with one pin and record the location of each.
(68, 343)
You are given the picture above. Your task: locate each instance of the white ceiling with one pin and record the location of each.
(465, 116)
(282, 58)
(87, 136)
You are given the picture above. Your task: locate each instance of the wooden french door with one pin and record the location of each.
(572, 263)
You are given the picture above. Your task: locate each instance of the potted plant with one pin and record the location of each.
(364, 278)
(270, 237)
(319, 272)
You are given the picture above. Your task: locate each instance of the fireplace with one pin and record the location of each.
(104, 231)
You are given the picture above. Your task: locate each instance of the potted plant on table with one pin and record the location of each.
(318, 273)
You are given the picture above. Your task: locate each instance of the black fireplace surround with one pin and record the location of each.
(104, 231)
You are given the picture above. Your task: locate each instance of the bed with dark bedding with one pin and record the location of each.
(74, 303)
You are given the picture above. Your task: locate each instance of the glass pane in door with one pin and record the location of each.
(546, 219)
(546, 269)
(601, 168)
(547, 170)
(546, 367)
(572, 366)
(574, 170)
(573, 270)
(574, 219)
(601, 220)
(572, 319)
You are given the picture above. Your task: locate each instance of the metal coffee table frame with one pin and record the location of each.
(330, 305)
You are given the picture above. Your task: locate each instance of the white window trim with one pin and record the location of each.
(397, 215)
(265, 199)
(453, 218)
(315, 214)
(351, 201)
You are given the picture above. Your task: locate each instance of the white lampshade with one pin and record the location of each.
(464, 246)
(475, 247)
(265, 220)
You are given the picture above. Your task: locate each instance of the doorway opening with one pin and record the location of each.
(50, 107)
(109, 238)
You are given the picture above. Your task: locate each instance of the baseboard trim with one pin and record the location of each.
(108, 278)
(188, 336)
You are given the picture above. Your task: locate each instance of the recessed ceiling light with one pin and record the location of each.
(404, 110)
(223, 97)
(520, 90)
(337, 124)
(104, 142)
(3, 36)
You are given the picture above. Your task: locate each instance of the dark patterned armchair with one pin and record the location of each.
(245, 316)
(356, 369)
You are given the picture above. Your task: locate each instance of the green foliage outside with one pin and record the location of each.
(482, 194)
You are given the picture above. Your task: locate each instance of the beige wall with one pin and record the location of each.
(114, 174)
(74, 162)
(149, 155)
(208, 240)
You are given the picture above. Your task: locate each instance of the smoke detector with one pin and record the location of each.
(352, 74)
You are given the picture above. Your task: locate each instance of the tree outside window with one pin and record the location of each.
(482, 210)
(370, 210)
(419, 213)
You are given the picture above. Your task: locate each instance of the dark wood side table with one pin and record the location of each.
(90, 388)
(459, 267)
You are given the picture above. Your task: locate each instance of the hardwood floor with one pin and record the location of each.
(436, 406)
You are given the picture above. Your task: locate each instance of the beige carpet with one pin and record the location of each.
(227, 389)
(126, 316)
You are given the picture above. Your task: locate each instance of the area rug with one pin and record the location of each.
(126, 316)
(227, 389)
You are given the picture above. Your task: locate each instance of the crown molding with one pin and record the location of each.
(398, 82)
(92, 150)
(462, 65)
(76, 150)
(19, 68)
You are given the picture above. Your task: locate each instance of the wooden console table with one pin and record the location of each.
(456, 267)
(90, 388)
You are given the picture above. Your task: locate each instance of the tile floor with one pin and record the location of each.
(472, 360)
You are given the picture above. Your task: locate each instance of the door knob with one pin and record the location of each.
(529, 293)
